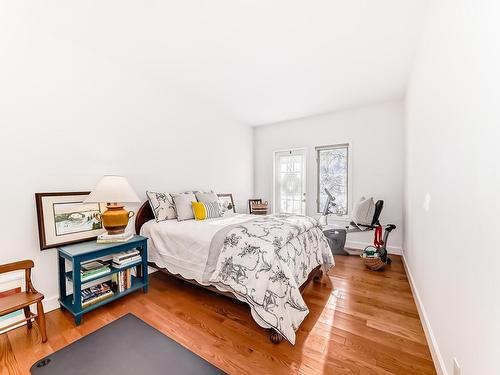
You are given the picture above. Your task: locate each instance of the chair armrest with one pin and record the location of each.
(16, 266)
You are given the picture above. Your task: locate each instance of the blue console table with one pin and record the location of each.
(90, 250)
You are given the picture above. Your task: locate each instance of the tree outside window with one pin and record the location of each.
(333, 175)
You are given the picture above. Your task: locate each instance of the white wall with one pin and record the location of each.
(375, 134)
(68, 116)
(452, 135)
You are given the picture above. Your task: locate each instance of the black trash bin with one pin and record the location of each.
(336, 239)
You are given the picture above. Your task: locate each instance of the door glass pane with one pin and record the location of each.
(289, 182)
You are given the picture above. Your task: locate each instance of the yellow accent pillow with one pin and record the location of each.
(199, 210)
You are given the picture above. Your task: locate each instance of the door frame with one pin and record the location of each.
(304, 183)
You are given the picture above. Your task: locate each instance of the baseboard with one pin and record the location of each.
(429, 335)
(50, 303)
(396, 250)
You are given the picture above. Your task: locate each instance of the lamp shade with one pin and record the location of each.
(112, 189)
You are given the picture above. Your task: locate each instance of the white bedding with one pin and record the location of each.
(265, 270)
(182, 246)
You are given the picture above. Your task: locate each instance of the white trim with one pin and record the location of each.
(51, 303)
(359, 245)
(429, 334)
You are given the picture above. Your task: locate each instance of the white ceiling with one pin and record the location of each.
(259, 61)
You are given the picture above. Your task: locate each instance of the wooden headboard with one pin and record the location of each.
(145, 213)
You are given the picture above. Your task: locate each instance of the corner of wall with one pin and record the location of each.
(254, 162)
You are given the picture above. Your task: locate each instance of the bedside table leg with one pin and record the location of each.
(144, 267)
(77, 290)
(62, 277)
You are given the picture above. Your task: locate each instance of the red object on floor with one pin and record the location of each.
(377, 241)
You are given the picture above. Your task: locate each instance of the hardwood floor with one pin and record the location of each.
(360, 322)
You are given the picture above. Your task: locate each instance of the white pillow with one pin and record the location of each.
(363, 212)
(206, 197)
(183, 205)
(162, 205)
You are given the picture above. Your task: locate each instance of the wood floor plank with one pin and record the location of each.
(8, 362)
(360, 322)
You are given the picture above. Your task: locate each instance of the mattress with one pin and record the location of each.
(182, 247)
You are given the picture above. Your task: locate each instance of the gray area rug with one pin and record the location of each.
(126, 346)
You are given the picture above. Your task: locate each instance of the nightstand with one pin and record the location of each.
(85, 251)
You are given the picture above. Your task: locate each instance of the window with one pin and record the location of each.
(333, 170)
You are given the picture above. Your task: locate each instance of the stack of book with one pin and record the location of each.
(126, 258)
(94, 269)
(96, 293)
(114, 238)
(122, 280)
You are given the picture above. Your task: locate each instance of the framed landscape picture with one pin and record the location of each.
(63, 218)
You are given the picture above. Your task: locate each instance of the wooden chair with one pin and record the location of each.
(24, 300)
(257, 207)
(251, 202)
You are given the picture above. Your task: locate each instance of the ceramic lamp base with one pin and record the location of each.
(115, 218)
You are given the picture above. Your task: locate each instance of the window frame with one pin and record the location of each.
(318, 149)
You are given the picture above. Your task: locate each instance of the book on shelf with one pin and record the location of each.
(97, 299)
(126, 258)
(125, 255)
(92, 275)
(122, 280)
(114, 238)
(92, 265)
(94, 290)
(94, 268)
(96, 294)
(127, 262)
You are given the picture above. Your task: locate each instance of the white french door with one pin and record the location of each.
(290, 181)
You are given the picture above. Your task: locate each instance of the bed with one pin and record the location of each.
(264, 261)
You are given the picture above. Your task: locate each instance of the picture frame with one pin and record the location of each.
(64, 219)
(227, 202)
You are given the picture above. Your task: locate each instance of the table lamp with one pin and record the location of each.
(114, 191)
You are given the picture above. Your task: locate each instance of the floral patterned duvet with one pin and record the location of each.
(264, 261)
